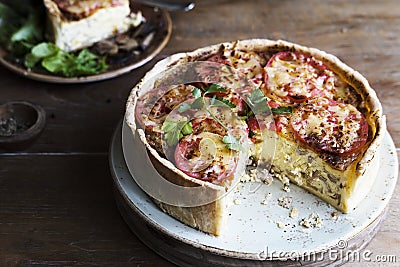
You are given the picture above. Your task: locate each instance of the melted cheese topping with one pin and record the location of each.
(301, 77)
(248, 63)
(337, 125)
(211, 146)
(212, 158)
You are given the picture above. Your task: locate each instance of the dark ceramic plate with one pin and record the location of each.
(158, 22)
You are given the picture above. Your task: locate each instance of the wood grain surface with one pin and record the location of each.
(56, 202)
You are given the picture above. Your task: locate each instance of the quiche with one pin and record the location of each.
(73, 24)
(301, 116)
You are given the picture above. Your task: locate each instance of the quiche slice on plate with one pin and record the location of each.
(296, 114)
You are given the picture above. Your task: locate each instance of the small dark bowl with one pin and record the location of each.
(21, 123)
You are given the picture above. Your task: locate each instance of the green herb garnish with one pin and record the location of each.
(55, 60)
(174, 131)
(282, 110)
(215, 88)
(196, 92)
(221, 102)
(232, 142)
(174, 135)
(257, 102)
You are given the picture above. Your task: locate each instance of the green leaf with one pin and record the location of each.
(168, 126)
(198, 103)
(31, 31)
(174, 131)
(196, 93)
(257, 96)
(257, 102)
(228, 139)
(59, 63)
(221, 102)
(31, 60)
(183, 107)
(21, 26)
(282, 110)
(235, 146)
(232, 143)
(187, 128)
(43, 50)
(10, 21)
(215, 88)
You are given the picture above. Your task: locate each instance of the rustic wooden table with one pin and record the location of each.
(56, 201)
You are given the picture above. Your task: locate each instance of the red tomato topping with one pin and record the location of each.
(330, 126)
(191, 154)
(210, 167)
(295, 77)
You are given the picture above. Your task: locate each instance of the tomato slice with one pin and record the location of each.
(204, 156)
(330, 126)
(249, 64)
(295, 77)
(153, 107)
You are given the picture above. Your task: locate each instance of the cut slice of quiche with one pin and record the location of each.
(306, 115)
(73, 24)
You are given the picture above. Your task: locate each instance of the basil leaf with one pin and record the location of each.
(198, 103)
(215, 88)
(228, 139)
(282, 110)
(235, 146)
(31, 31)
(232, 143)
(43, 50)
(187, 128)
(9, 23)
(222, 102)
(58, 63)
(257, 102)
(174, 131)
(256, 96)
(196, 92)
(168, 126)
(31, 60)
(172, 138)
(184, 107)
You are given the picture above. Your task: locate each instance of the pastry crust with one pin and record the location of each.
(359, 176)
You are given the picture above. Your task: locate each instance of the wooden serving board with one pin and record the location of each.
(259, 235)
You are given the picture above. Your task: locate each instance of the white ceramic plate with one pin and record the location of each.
(253, 227)
(157, 20)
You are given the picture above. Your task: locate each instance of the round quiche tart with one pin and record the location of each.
(250, 110)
